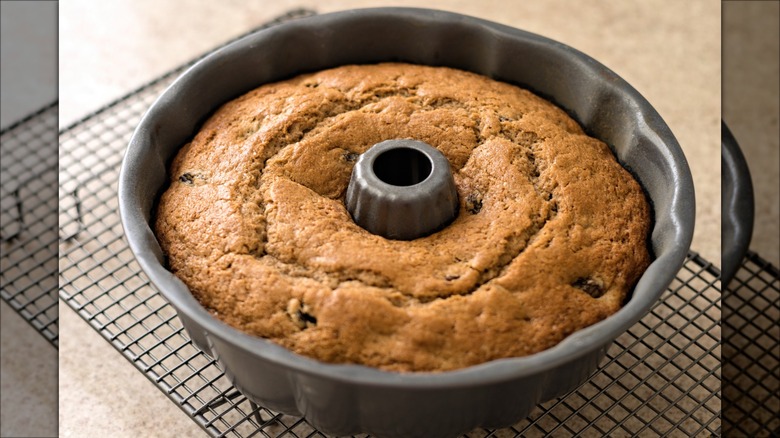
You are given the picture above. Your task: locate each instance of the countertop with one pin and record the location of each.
(668, 50)
(751, 109)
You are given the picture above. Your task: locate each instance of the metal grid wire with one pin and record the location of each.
(751, 351)
(662, 376)
(28, 220)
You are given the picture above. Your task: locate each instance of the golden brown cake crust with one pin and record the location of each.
(551, 233)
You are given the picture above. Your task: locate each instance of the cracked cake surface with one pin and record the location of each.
(550, 237)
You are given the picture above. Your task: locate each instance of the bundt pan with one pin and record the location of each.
(345, 399)
(737, 207)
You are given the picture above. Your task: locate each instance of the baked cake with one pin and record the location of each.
(550, 237)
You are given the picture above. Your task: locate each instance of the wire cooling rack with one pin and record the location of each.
(28, 220)
(661, 377)
(751, 351)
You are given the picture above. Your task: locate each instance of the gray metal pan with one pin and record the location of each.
(344, 399)
(737, 206)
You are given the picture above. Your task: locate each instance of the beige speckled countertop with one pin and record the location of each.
(751, 109)
(667, 49)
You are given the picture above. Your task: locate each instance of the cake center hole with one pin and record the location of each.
(402, 167)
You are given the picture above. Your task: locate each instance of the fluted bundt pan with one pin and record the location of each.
(737, 208)
(344, 399)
